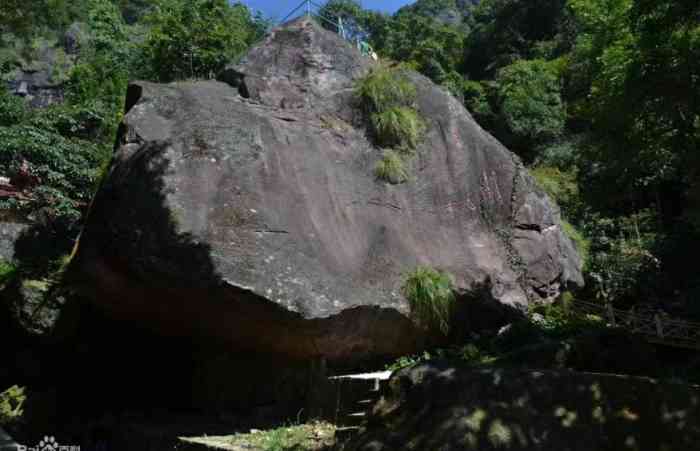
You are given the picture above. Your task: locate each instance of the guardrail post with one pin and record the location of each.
(659, 326)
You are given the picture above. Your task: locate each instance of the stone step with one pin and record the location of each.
(6, 442)
(337, 396)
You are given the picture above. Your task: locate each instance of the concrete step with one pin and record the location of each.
(6, 442)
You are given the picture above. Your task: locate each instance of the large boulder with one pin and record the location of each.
(436, 407)
(247, 210)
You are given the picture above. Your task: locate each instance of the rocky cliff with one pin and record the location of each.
(247, 210)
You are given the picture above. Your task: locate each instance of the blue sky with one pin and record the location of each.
(280, 8)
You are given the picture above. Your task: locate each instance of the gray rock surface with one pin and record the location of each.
(435, 407)
(6, 442)
(11, 228)
(247, 210)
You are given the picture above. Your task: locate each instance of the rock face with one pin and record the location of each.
(433, 407)
(247, 210)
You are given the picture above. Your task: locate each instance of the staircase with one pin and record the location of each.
(347, 400)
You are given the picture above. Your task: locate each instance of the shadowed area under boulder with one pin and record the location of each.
(435, 407)
(248, 210)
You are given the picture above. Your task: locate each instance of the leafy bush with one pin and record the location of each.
(12, 109)
(398, 127)
(430, 294)
(391, 168)
(195, 38)
(530, 101)
(477, 101)
(561, 154)
(66, 168)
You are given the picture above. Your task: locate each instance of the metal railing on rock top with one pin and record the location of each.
(354, 34)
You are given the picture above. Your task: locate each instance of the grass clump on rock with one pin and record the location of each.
(12, 404)
(398, 127)
(430, 294)
(391, 168)
(384, 88)
(387, 98)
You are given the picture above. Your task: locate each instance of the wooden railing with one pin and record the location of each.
(656, 327)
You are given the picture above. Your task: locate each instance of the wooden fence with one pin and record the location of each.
(654, 326)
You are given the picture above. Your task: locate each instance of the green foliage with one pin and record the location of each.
(430, 294)
(385, 88)
(622, 264)
(398, 127)
(506, 31)
(12, 109)
(195, 38)
(391, 168)
(30, 17)
(7, 271)
(583, 244)
(476, 99)
(65, 165)
(530, 102)
(387, 97)
(296, 437)
(133, 10)
(561, 185)
(12, 404)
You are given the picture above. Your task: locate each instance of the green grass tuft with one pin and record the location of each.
(430, 294)
(387, 98)
(385, 88)
(398, 127)
(391, 168)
